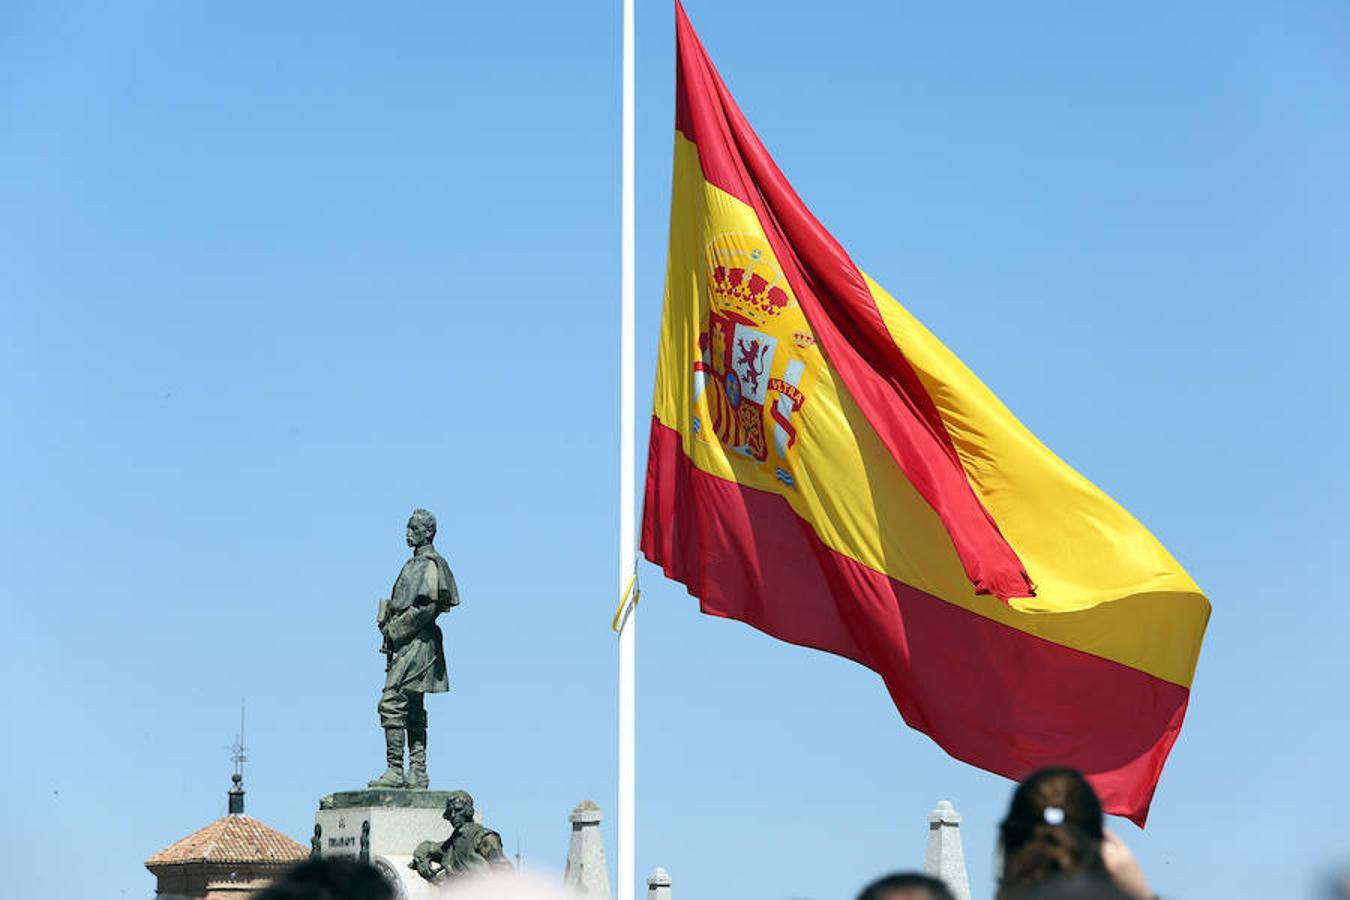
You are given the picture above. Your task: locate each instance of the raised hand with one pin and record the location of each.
(1124, 868)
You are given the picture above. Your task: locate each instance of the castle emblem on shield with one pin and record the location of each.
(748, 381)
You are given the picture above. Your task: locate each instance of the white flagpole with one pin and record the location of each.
(627, 551)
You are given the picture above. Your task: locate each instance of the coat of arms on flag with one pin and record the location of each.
(754, 354)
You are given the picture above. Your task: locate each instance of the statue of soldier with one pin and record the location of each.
(415, 653)
(471, 847)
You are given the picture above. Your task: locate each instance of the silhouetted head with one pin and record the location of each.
(1078, 886)
(329, 879)
(1053, 827)
(906, 886)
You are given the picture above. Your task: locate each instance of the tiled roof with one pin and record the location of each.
(233, 839)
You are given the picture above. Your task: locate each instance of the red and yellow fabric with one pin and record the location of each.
(821, 467)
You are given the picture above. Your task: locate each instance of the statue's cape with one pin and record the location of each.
(449, 590)
(419, 578)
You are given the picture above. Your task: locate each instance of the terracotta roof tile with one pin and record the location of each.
(232, 839)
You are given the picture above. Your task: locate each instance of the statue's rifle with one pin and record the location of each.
(381, 617)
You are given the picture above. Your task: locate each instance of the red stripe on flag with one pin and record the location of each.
(988, 694)
(844, 316)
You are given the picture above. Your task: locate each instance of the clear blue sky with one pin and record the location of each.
(271, 275)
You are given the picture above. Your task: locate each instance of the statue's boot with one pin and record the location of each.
(417, 758)
(393, 751)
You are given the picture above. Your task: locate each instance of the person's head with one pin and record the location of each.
(906, 886)
(421, 528)
(1053, 827)
(1078, 886)
(329, 879)
(458, 808)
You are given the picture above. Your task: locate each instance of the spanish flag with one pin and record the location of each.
(822, 468)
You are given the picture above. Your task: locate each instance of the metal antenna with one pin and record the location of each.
(239, 752)
(517, 853)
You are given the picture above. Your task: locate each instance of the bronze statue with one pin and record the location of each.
(471, 847)
(415, 653)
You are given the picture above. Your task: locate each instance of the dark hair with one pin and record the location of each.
(900, 881)
(330, 879)
(1079, 886)
(1053, 827)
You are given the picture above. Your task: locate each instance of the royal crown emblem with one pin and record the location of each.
(749, 378)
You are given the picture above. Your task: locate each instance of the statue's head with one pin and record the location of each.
(421, 528)
(458, 808)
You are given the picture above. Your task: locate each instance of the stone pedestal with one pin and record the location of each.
(383, 826)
